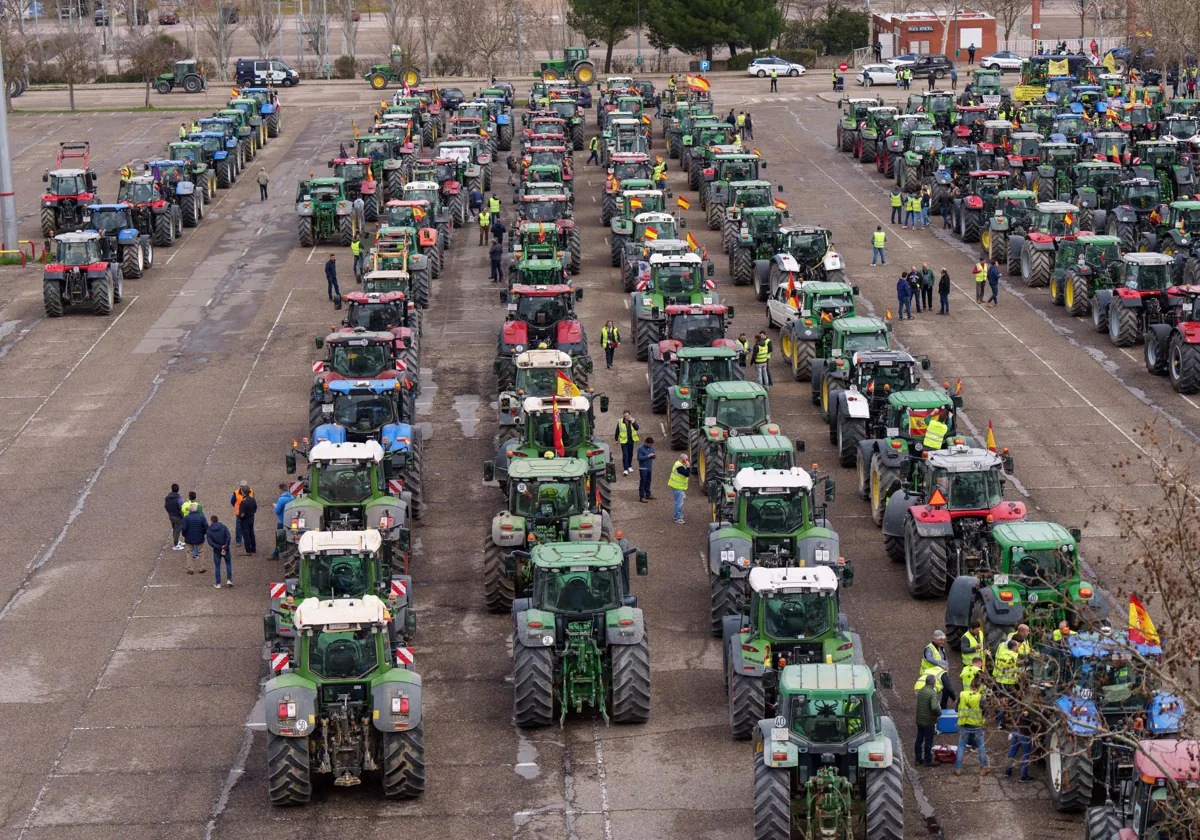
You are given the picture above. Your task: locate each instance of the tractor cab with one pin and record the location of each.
(357, 353)
(737, 408)
(380, 311)
(697, 325)
(544, 208)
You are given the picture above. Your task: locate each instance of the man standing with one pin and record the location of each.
(245, 524)
(743, 350)
(194, 529)
(928, 712)
(926, 200)
(774, 80)
(953, 79)
(236, 498)
(927, 280)
(263, 179)
(878, 240)
(971, 54)
(331, 280)
(903, 298)
(360, 212)
(878, 47)
(944, 293)
(981, 276)
(970, 725)
(1020, 741)
(897, 199)
(493, 205)
(474, 201)
(914, 287)
(610, 339)
(218, 540)
(645, 457)
(356, 251)
(171, 505)
(678, 482)
(281, 503)
(485, 221)
(495, 254)
(908, 212)
(944, 208)
(993, 278)
(498, 230)
(183, 132)
(748, 128)
(762, 359)
(1005, 672)
(627, 436)
(594, 150)
(932, 79)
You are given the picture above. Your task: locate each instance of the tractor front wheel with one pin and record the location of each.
(533, 686)
(49, 221)
(999, 249)
(420, 287)
(885, 802)
(498, 590)
(1183, 365)
(850, 433)
(803, 353)
(289, 773)
(616, 246)
(648, 334)
(972, 226)
(52, 298)
(1057, 296)
(404, 763)
(1075, 294)
(677, 422)
(926, 559)
(1123, 324)
(741, 266)
(606, 209)
(458, 210)
(379, 81)
(575, 246)
(631, 681)
(131, 261)
(772, 801)
(346, 230)
(164, 229)
(371, 208)
(747, 703)
(663, 376)
(1101, 823)
(224, 173)
(163, 87)
(1069, 771)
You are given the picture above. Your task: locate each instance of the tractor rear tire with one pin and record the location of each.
(1057, 296)
(412, 475)
(102, 295)
(575, 247)
(1126, 232)
(912, 179)
(164, 229)
(1036, 267)
(1069, 772)
(371, 208)
(533, 686)
(884, 481)
(615, 247)
(649, 334)
(715, 215)
(1099, 317)
(863, 476)
(747, 703)
(868, 152)
(604, 491)
(729, 235)
(577, 138)
(677, 423)
(723, 601)
(289, 774)
(1183, 365)
(274, 124)
(999, 247)
(1075, 295)
(504, 138)
(893, 547)
(741, 266)
(1101, 823)
(305, 230)
(926, 559)
(803, 353)
(663, 377)
(850, 433)
(420, 287)
(885, 803)
(49, 221)
(52, 298)
(404, 763)
(458, 210)
(772, 801)
(693, 178)
(498, 590)
(1045, 189)
(224, 178)
(1087, 219)
(131, 261)
(972, 226)
(506, 375)
(346, 230)
(1123, 324)
(631, 682)
(606, 209)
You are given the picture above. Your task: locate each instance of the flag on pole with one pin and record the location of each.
(354, 125)
(1069, 219)
(635, 203)
(559, 449)
(1110, 63)
(541, 232)
(691, 241)
(781, 204)
(564, 387)
(370, 175)
(682, 203)
(646, 119)
(418, 213)
(650, 233)
(958, 388)
(1141, 626)
(991, 438)
(1058, 67)
(887, 316)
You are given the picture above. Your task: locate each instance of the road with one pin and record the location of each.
(132, 724)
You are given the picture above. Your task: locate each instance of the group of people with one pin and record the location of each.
(911, 209)
(627, 438)
(917, 286)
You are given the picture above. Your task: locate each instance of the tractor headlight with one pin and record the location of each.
(821, 555)
(727, 554)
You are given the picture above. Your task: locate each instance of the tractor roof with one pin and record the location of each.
(793, 579)
(1179, 759)
(1102, 645)
(421, 185)
(78, 236)
(547, 468)
(539, 405)
(826, 288)
(568, 555)
(706, 353)
(758, 444)
(954, 150)
(653, 216)
(371, 386)
(1185, 205)
(543, 359)
(144, 178)
(737, 156)
(1033, 535)
(163, 162)
(1148, 258)
(881, 108)
(313, 612)
(997, 124)
(919, 399)
(67, 173)
(1099, 164)
(326, 182)
(640, 191)
(859, 324)
(696, 309)
(963, 459)
(1098, 239)
(771, 480)
(750, 185)
(675, 259)
(1016, 194)
(862, 100)
(539, 264)
(1056, 207)
(806, 229)
(882, 357)
(341, 542)
(991, 173)
(629, 157)
(326, 451)
(736, 390)
(122, 206)
(926, 132)
(541, 291)
(379, 297)
(359, 337)
(823, 677)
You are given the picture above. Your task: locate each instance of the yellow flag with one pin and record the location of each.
(354, 125)
(1110, 63)
(1058, 67)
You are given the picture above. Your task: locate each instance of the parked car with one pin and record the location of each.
(1004, 61)
(876, 74)
(168, 17)
(263, 71)
(101, 17)
(938, 63)
(903, 58)
(451, 97)
(762, 67)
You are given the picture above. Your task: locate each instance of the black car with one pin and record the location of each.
(938, 63)
(646, 89)
(451, 97)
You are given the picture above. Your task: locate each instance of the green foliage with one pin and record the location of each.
(606, 21)
(801, 56)
(345, 67)
(696, 26)
(837, 33)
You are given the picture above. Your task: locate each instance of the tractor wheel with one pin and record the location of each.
(371, 208)
(458, 210)
(912, 179)
(579, 373)
(1087, 219)
(803, 353)
(606, 209)
(850, 433)
(693, 178)
(1036, 267)
(604, 491)
(1154, 355)
(999, 250)
(395, 183)
(729, 235)
(52, 298)
(575, 246)
(506, 374)
(649, 333)
(616, 246)
(211, 179)
(1183, 365)
(1016, 247)
(772, 801)
(1075, 294)
(305, 229)
(427, 136)
(224, 178)
(533, 686)
(716, 215)
(677, 422)
(889, 166)
(1101, 823)
(926, 559)
(498, 590)
(148, 254)
(723, 601)
(102, 295)
(1127, 233)
(412, 475)
(118, 287)
(346, 230)
(192, 84)
(131, 261)
(1191, 272)
(868, 153)
(274, 124)
(177, 221)
(631, 682)
(884, 482)
(49, 221)
(504, 138)
(741, 266)
(862, 475)
(1044, 187)
(1057, 297)
(1069, 772)
(379, 81)
(164, 230)
(163, 87)
(885, 803)
(404, 763)
(662, 378)
(972, 226)
(420, 287)
(747, 703)
(289, 775)
(487, 179)
(577, 138)
(1123, 324)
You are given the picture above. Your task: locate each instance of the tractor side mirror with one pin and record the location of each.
(854, 290)
(642, 562)
(503, 296)
(1076, 534)
(711, 268)
(683, 224)
(770, 680)
(579, 294)
(847, 576)
(729, 309)
(289, 462)
(956, 400)
(763, 165)
(319, 341)
(269, 626)
(402, 542)
(924, 363)
(830, 490)
(799, 445)
(604, 403)
(489, 471)
(1008, 463)
(331, 164)
(410, 622)
(713, 489)
(885, 679)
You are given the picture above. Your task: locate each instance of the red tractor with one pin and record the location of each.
(388, 311)
(70, 191)
(688, 325)
(1173, 347)
(622, 165)
(360, 183)
(83, 272)
(541, 317)
(358, 354)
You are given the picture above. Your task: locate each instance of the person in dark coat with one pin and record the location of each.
(944, 293)
(903, 298)
(171, 505)
(218, 538)
(331, 279)
(496, 253)
(194, 529)
(914, 287)
(246, 512)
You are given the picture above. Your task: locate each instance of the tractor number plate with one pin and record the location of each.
(1000, 580)
(578, 569)
(1185, 307)
(893, 431)
(359, 342)
(779, 734)
(512, 307)
(884, 363)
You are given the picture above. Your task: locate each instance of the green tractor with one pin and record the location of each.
(1081, 266)
(688, 325)
(919, 161)
(574, 64)
(359, 182)
(699, 367)
(854, 115)
(548, 502)
(643, 242)
(186, 74)
(874, 126)
(725, 169)
(1129, 216)
(630, 204)
(732, 409)
(392, 159)
(754, 242)
(711, 132)
(1054, 180)
(1097, 190)
(541, 242)
(804, 315)
(580, 639)
(1050, 224)
(1010, 217)
(1031, 576)
(399, 70)
(347, 702)
(1175, 236)
(777, 521)
(195, 169)
(742, 195)
(324, 212)
(860, 402)
(674, 280)
(839, 344)
(1158, 160)
(793, 617)
(830, 759)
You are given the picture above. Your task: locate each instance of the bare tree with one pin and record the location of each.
(398, 24)
(349, 26)
(74, 56)
(1007, 12)
(149, 52)
(430, 14)
(216, 23)
(481, 32)
(263, 25)
(16, 54)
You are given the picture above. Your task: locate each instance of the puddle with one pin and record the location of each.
(526, 766)
(466, 406)
(7, 328)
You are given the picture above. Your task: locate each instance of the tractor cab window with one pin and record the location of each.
(971, 491)
(796, 615)
(572, 429)
(544, 158)
(1166, 816)
(344, 483)
(677, 279)
(354, 171)
(1182, 127)
(1105, 255)
(1017, 209)
(763, 461)
(544, 176)
(1025, 146)
(543, 310)
(564, 108)
(754, 198)
(78, 253)
(624, 170)
(838, 304)
(776, 513)
(187, 153)
(544, 211)
(739, 170)
(1065, 257)
(807, 248)
(67, 184)
(550, 500)
(537, 382)
(1137, 116)
(1147, 277)
(376, 317)
(829, 720)
(1056, 224)
(1112, 682)
(666, 229)
(1059, 155)
(1159, 155)
(110, 219)
(365, 413)
(342, 654)
(1041, 567)
(213, 144)
(1143, 196)
(429, 195)
(573, 592)
(898, 377)
(1069, 127)
(374, 149)
(359, 361)
(138, 192)
(702, 371)
(739, 414)
(853, 342)
(762, 224)
(337, 576)
(1188, 220)
(988, 187)
(445, 172)
(697, 330)
(325, 193)
(926, 143)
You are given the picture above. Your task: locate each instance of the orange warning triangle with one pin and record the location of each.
(937, 498)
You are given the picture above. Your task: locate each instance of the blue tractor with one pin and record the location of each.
(220, 154)
(1102, 690)
(268, 108)
(130, 247)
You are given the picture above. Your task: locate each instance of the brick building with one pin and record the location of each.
(921, 32)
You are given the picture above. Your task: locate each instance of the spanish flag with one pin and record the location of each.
(559, 449)
(370, 174)
(698, 82)
(564, 387)
(418, 213)
(781, 204)
(1141, 626)
(1069, 219)
(826, 317)
(635, 203)
(646, 119)
(991, 438)
(541, 232)
(691, 241)
(650, 233)
(757, 152)
(682, 203)
(235, 93)
(887, 316)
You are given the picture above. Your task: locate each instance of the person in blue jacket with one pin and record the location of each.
(218, 538)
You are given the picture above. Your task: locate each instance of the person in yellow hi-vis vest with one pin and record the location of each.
(678, 482)
(935, 431)
(970, 725)
(980, 280)
(1006, 672)
(485, 222)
